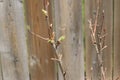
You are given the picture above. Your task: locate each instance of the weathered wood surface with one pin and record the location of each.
(90, 9)
(90, 51)
(2, 45)
(68, 22)
(40, 52)
(116, 39)
(108, 52)
(13, 49)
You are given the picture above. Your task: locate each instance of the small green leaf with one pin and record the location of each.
(50, 41)
(45, 12)
(28, 27)
(61, 38)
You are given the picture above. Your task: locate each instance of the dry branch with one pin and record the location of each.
(51, 38)
(98, 37)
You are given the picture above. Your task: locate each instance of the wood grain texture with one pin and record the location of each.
(116, 38)
(14, 52)
(88, 55)
(90, 9)
(58, 32)
(68, 22)
(2, 42)
(108, 52)
(40, 52)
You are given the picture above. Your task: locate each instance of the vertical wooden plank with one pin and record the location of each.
(41, 65)
(5, 48)
(14, 57)
(21, 38)
(90, 9)
(116, 39)
(58, 32)
(2, 42)
(68, 22)
(108, 23)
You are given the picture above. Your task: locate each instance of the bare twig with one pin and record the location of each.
(98, 38)
(59, 63)
(37, 35)
(96, 21)
(52, 37)
(103, 48)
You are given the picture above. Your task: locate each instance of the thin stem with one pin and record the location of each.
(37, 35)
(59, 63)
(50, 33)
(96, 18)
(98, 38)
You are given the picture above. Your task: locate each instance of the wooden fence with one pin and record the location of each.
(90, 7)
(24, 56)
(40, 52)
(13, 48)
